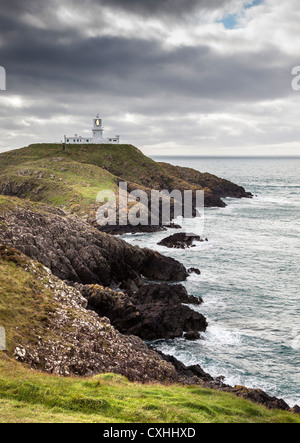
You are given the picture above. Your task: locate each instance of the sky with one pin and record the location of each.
(172, 77)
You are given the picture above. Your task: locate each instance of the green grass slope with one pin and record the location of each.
(124, 161)
(29, 396)
(47, 175)
(72, 178)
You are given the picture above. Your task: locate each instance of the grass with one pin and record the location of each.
(124, 161)
(29, 396)
(71, 179)
(54, 179)
(25, 303)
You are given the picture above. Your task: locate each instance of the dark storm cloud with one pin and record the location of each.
(58, 69)
(170, 7)
(63, 61)
(134, 68)
(146, 7)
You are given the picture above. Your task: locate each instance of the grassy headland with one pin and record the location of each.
(29, 396)
(72, 178)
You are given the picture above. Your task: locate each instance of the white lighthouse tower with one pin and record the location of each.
(98, 131)
(97, 138)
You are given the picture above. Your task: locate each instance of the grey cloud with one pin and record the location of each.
(58, 72)
(171, 7)
(139, 68)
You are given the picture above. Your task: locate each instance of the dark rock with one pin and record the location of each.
(260, 397)
(161, 268)
(255, 395)
(187, 372)
(128, 229)
(163, 314)
(74, 251)
(296, 409)
(173, 226)
(194, 271)
(215, 187)
(180, 241)
(150, 313)
(115, 305)
(192, 335)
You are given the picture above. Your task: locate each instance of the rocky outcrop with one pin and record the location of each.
(194, 271)
(76, 252)
(116, 305)
(164, 315)
(152, 312)
(194, 373)
(255, 395)
(71, 340)
(197, 375)
(180, 240)
(218, 187)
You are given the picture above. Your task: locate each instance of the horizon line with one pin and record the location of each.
(225, 156)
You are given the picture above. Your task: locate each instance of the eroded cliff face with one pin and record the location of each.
(97, 264)
(74, 251)
(50, 328)
(151, 312)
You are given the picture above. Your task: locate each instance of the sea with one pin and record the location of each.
(250, 276)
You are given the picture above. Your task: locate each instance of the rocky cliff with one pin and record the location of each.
(74, 251)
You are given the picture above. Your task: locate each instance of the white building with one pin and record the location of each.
(97, 137)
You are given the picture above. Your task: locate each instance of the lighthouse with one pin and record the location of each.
(97, 137)
(98, 130)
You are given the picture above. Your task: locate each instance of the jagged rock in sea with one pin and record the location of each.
(180, 240)
(194, 271)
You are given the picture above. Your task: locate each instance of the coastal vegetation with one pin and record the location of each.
(30, 396)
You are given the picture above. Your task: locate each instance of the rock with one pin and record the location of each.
(149, 313)
(173, 226)
(255, 395)
(192, 335)
(215, 187)
(162, 312)
(161, 268)
(296, 409)
(194, 271)
(180, 241)
(116, 305)
(76, 252)
(187, 373)
(71, 340)
(260, 397)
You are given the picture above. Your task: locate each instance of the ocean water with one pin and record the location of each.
(250, 277)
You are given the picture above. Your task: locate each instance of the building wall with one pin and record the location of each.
(73, 140)
(84, 140)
